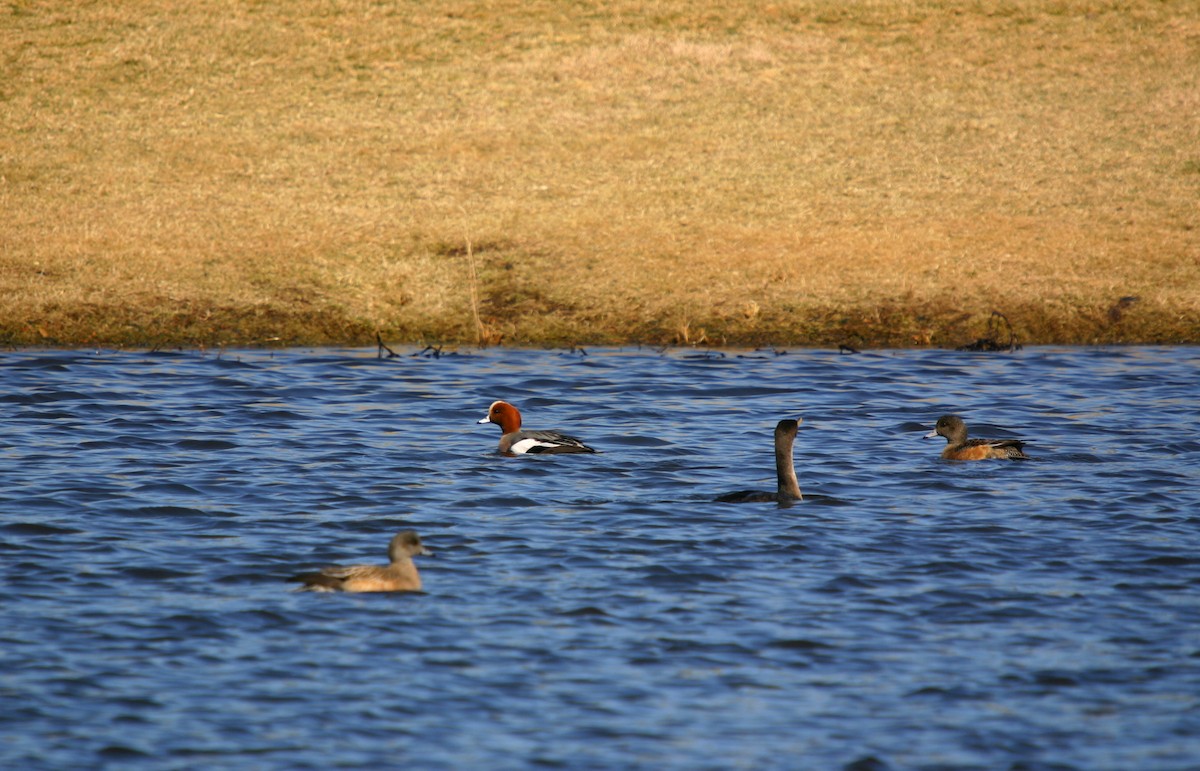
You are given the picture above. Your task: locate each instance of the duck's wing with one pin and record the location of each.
(1009, 448)
(540, 442)
(350, 571)
(334, 577)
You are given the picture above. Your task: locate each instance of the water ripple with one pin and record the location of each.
(600, 611)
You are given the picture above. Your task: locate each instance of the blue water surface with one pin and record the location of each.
(600, 611)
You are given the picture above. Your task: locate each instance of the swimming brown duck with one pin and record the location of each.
(399, 576)
(959, 447)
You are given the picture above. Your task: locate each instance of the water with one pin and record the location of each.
(600, 611)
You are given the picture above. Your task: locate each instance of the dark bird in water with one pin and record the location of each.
(787, 488)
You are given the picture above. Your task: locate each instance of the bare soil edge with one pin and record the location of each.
(1123, 321)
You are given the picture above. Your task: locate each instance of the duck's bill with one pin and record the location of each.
(483, 420)
(931, 435)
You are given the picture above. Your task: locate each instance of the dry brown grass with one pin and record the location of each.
(811, 172)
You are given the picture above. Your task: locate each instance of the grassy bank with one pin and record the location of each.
(544, 173)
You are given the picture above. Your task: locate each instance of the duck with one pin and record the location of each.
(399, 576)
(514, 441)
(787, 487)
(959, 447)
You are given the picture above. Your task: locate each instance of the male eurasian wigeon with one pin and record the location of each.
(787, 487)
(514, 441)
(400, 576)
(959, 447)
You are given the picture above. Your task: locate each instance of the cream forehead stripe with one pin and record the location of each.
(488, 417)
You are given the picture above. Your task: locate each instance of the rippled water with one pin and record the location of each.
(600, 611)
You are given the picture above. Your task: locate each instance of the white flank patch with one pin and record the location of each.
(524, 445)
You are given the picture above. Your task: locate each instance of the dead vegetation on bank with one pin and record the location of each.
(800, 173)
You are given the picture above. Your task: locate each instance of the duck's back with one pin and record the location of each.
(364, 578)
(541, 442)
(980, 449)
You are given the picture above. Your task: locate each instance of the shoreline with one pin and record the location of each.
(872, 330)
